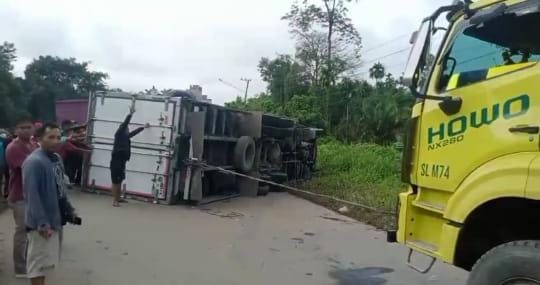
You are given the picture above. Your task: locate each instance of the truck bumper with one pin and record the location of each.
(423, 230)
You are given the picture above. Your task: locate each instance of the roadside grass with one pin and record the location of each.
(367, 174)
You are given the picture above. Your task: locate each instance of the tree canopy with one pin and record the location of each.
(313, 84)
(11, 94)
(46, 79)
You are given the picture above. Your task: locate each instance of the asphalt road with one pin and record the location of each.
(278, 239)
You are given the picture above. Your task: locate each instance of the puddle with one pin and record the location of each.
(360, 276)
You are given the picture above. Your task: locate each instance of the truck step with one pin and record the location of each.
(426, 246)
(429, 206)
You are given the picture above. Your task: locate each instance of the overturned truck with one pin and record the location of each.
(182, 155)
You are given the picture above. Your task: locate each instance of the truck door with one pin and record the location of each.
(492, 68)
(147, 172)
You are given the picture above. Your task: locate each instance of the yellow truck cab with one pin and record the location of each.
(472, 153)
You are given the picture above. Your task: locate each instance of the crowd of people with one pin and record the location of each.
(38, 163)
(73, 148)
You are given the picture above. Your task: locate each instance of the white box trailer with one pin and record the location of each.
(148, 171)
(183, 131)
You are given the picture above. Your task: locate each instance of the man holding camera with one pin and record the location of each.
(47, 206)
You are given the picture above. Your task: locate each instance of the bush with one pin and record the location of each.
(363, 173)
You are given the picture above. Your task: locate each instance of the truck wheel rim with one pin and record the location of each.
(521, 281)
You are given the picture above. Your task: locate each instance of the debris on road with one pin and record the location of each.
(336, 219)
(344, 209)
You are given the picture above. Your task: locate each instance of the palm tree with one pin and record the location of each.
(377, 71)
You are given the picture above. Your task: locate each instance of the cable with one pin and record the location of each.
(292, 189)
(380, 58)
(384, 43)
(385, 67)
(386, 55)
(405, 49)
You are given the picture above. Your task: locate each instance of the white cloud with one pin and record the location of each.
(172, 44)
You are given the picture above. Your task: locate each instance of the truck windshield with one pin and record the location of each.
(490, 49)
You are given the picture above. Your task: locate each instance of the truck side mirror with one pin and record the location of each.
(451, 105)
(420, 39)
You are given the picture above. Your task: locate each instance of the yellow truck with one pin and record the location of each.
(472, 154)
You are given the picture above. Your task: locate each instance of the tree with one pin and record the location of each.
(306, 109)
(49, 78)
(311, 52)
(308, 22)
(151, 91)
(377, 72)
(12, 101)
(7, 56)
(260, 102)
(285, 78)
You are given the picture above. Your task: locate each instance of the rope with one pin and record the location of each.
(293, 189)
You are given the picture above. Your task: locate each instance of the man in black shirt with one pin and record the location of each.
(121, 154)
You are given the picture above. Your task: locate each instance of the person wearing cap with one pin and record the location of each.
(66, 129)
(73, 149)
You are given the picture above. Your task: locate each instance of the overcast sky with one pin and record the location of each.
(175, 43)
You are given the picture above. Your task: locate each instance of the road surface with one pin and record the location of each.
(278, 239)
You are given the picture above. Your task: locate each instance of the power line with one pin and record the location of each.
(384, 43)
(231, 85)
(385, 67)
(361, 63)
(386, 55)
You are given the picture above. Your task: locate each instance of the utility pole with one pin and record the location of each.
(247, 87)
(347, 116)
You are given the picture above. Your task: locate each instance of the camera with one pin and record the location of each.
(67, 213)
(74, 219)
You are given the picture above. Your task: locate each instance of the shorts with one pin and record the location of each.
(42, 255)
(118, 171)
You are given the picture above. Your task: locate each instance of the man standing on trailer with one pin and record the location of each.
(121, 154)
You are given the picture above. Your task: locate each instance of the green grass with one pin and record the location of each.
(363, 173)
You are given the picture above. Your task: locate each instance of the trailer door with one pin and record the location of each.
(147, 173)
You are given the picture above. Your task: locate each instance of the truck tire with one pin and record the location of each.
(264, 154)
(244, 154)
(512, 263)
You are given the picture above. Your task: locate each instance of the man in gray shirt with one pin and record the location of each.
(44, 188)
